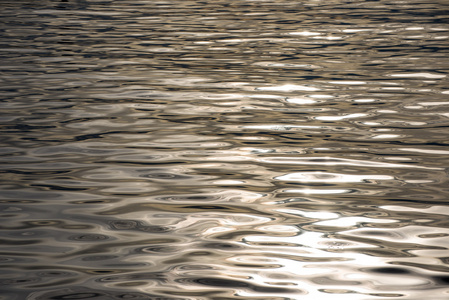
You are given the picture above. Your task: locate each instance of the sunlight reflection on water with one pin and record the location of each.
(263, 149)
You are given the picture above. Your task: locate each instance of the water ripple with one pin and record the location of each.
(224, 150)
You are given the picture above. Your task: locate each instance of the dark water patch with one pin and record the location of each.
(158, 250)
(89, 237)
(132, 225)
(222, 246)
(390, 270)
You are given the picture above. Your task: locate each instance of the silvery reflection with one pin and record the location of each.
(240, 149)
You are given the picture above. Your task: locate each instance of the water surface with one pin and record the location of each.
(222, 150)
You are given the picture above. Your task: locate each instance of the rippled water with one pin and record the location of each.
(263, 149)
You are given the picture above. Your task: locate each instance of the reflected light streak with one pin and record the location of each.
(333, 161)
(305, 33)
(352, 221)
(385, 136)
(310, 214)
(349, 82)
(330, 177)
(316, 191)
(428, 151)
(288, 88)
(300, 100)
(418, 75)
(437, 209)
(338, 118)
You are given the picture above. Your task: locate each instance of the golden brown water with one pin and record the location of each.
(269, 150)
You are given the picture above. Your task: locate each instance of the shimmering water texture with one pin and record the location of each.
(196, 150)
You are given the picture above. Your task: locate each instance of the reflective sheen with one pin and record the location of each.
(247, 149)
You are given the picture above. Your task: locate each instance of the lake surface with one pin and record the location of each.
(195, 150)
